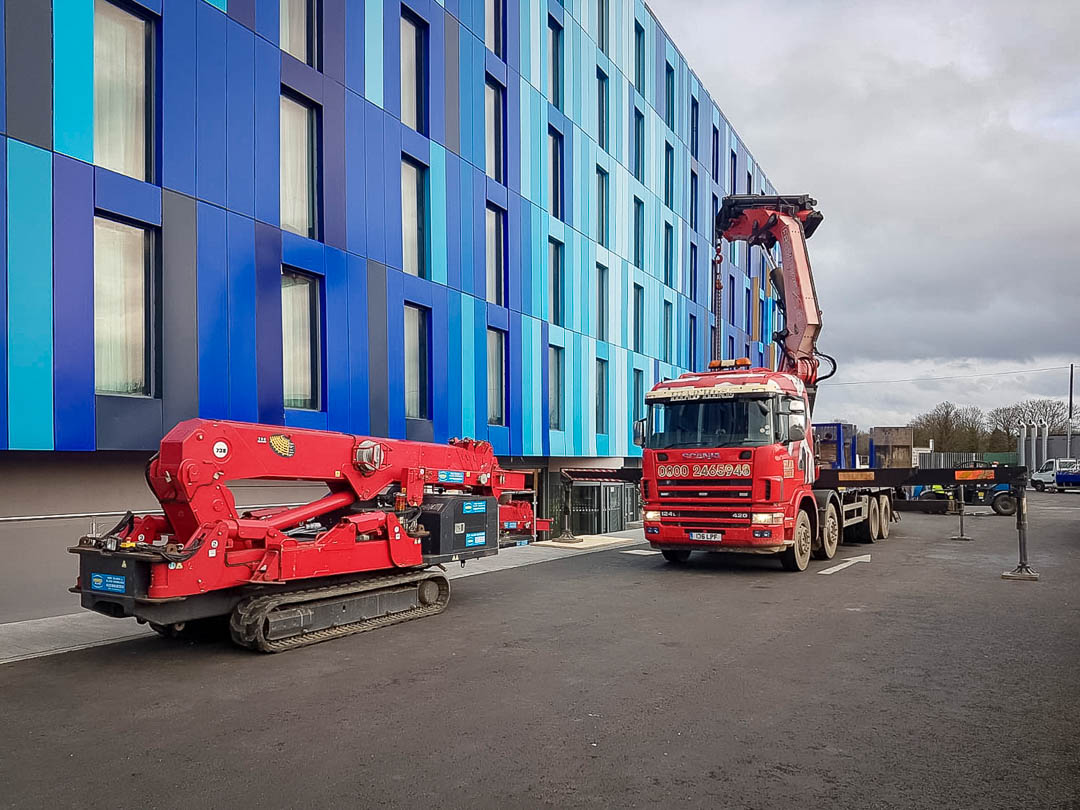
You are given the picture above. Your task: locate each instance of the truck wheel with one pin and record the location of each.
(675, 555)
(797, 556)
(885, 513)
(866, 531)
(830, 535)
(1004, 504)
(1039, 486)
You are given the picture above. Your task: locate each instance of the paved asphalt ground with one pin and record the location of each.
(612, 679)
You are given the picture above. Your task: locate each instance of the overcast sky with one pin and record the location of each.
(942, 142)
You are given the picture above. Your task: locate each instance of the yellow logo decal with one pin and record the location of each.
(282, 445)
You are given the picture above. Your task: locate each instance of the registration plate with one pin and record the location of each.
(714, 537)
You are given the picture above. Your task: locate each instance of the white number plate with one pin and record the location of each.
(714, 537)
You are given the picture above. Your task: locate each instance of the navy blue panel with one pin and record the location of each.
(514, 383)
(356, 270)
(415, 145)
(301, 252)
(213, 312)
(453, 221)
(130, 198)
(336, 341)
(333, 53)
(513, 140)
(442, 418)
(394, 350)
(497, 317)
(301, 78)
(240, 118)
(73, 304)
(495, 192)
(243, 385)
(354, 47)
(333, 172)
(267, 127)
(378, 175)
(268, 323)
(355, 174)
(243, 11)
(210, 71)
(178, 96)
(545, 434)
(516, 239)
(479, 184)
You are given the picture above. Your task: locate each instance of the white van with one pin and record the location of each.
(1044, 476)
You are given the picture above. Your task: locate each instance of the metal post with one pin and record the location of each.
(960, 506)
(1068, 424)
(567, 535)
(1023, 571)
(1022, 443)
(1046, 437)
(1034, 440)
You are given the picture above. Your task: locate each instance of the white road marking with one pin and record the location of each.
(642, 551)
(846, 563)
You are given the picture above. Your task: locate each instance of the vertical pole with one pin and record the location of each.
(1022, 444)
(960, 506)
(1046, 438)
(1023, 570)
(1034, 440)
(1068, 425)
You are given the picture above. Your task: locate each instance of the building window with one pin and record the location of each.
(601, 108)
(639, 232)
(669, 255)
(669, 176)
(555, 150)
(413, 218)
(693, 272)
(495, 27)
(413, 73)
(496, 377)
(715, 212)
(639, 394)
(417, 342)
(495, 140)
(496, 255)
(747, 314)
(669, 95)
(667, 332)
(693, 127)
(602, 25)
(693, 343)
(749, 183)
(693, 201)
(731, 299)
(123, 54)
(601, 206)
(300, 30)
(299, 167)
(731, 347)
(123, 261)
(601, 302)
(639, 146)
(555, 267)
(639, 317)
(746, 351)
(601, 396)
(555, 387)
(639, 57)
(301, 339)
(555, 63)
(734, 171)
(716, 154)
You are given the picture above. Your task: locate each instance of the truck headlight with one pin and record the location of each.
(652, 514)
(767, 518)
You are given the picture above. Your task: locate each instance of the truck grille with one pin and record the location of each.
(693, 490)
(704, 504)
(704, 518)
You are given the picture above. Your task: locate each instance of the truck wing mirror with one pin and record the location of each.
(639, 432)
(796, 433)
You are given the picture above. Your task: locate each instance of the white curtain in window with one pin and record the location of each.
(410, 219)
(410, 72)
(495, 377)
(296, 167)
(119, 90)
(298, 340)
(294, 28)
(120, 295)
(416, 399)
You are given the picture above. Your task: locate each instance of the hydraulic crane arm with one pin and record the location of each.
(788, 221)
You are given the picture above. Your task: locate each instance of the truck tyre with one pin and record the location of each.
(797, 556)
(675, 555)
(830, 534)
(866, 530)
(1039, 486)
(885, 515)
(1004, 504)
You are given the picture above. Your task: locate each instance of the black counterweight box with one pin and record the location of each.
(459, 527)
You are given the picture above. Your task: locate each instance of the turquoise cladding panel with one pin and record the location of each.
(73, 78)
(29, 297)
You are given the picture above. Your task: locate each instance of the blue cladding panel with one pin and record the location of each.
(3, 282)
(178, 95)
(243, 384)
(210, 81)
(73, 78)
(73, 303)
(267, 131)
(240, 119)
(29, 297)
(356, 271)
(212, 258)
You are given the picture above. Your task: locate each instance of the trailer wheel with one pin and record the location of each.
(675, 555)
(830, 535)
(866, 531)
(1004, 504)
(797, 556)
(885, 515)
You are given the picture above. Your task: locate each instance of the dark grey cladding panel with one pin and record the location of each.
(453, 107)
(419, 430)
(377, 362)
(28, 62)
(179, 307)
(128, 423)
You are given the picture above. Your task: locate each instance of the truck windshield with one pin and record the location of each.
(737, 422)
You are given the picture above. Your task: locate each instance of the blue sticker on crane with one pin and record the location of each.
(510, 524)
(474, 507)
(451, 477)
(109, 583)
(475, 539)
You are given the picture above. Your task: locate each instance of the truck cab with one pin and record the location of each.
(1046, 476)
(729, 464)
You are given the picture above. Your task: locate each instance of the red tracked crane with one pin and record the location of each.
(363, 556)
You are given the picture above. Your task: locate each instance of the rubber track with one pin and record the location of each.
(247, 623)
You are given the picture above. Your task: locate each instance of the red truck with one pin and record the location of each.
(729, 461)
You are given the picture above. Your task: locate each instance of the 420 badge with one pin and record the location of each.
(703, 470)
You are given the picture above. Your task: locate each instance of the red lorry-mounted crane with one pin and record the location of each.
(729, 460)
(365, 555)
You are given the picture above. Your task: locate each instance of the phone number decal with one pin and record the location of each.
(703, 470)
